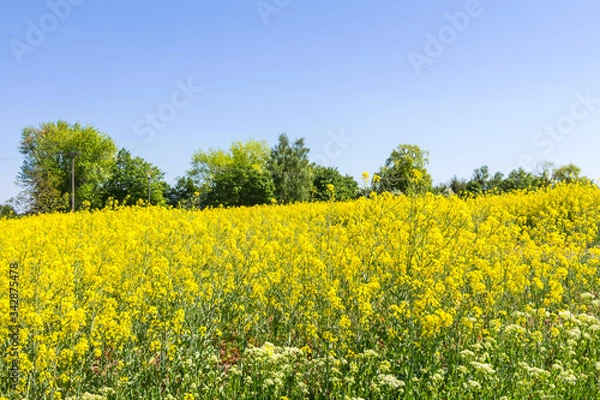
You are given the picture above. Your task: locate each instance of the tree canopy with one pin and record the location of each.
(49, 151)
(129, 180)
(344, 186)
(7, 211)
(245, 174)
(405, 171)
(291, 170)
(482, 181)
(568, 173)
(183, 194)
(239, 176)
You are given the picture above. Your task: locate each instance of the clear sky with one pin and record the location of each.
(502, 83)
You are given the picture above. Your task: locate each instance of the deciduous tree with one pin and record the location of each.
(291, 171)
(236, 177)
(345, 187)
(129, 179)
(49, 152)
(406, 171)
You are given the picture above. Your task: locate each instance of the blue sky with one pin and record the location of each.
(501, 83)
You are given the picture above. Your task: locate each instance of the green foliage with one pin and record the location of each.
(480, 180)
(457, 186)
(183, 193)
(291, 171)
(544, 171)
(568, 173)
(248, 173)
(495, 183)
(345, 187)
(206, 165)
(129, 180)
(519, 179)
(405, 171)
(241, 187)
(483, 182)
(48, 152)
(42, 193)
(236, 177)
(6, 211)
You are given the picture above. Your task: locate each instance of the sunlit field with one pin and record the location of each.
(381, 298)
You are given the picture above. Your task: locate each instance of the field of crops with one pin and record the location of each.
(381, 298)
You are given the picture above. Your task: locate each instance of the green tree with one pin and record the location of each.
(480, 180)
(291, 171)
(241, 187)
(495, 183)
(457, 185)
(519, 179)
(42, 193)
(129, 180)
(7, 211)
(544, 171)
(236, 177)
(568, 173)
(183, 193)
(474, 187)
(345, 187)
(49, 151)
(406, 171)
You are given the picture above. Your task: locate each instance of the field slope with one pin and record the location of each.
(388, 297)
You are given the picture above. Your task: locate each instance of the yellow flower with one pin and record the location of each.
(357, 285)
(417, 176)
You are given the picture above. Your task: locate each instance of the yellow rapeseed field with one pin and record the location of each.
(386, 297)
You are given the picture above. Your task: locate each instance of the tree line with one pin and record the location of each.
(59, 157)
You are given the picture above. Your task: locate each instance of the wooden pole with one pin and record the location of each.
(73, 183)
(148, 188)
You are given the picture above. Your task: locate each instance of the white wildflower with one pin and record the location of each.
(565, 314)
(370, 354)
(575, 333)
(586, 296)
(467, 354)
(568, 377)
(462, 369)
(390, 381)
(514, 328)
(557, 367)
(483, 367)
(471, 384)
